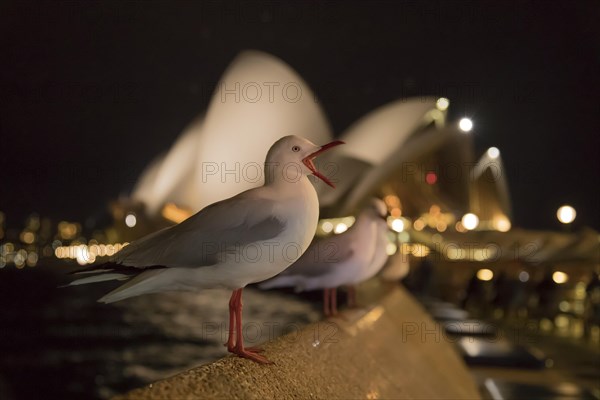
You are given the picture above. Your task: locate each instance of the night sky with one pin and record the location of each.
(91, 92)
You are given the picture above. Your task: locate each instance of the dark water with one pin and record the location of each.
(61, 343)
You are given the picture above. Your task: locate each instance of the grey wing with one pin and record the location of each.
(321, 257)
(203, 238)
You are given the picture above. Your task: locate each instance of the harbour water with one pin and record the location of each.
(61, 343)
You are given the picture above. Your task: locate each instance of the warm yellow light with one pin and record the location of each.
(502, 224)
(479, 255)
(455, 253)
(67, 230)
(442, 104)
(493, 153)
(405, 248)
(392, 201)
(560, 277)
(465, 124)
(349, 221)
(485, 274)
(441, 226)
(20, 258)
(130, 220)
(175, 214)
(27, 237)
(340, 228)
(459, 227)
(420, 250)
(566, 214)
(390, 249)
(398, 225)
(327, 227)
(419, 225)
(470, 221)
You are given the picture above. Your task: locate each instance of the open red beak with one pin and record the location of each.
(308, 161)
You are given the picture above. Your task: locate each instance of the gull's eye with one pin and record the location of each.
(296, 148)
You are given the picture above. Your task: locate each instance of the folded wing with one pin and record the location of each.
(205, 237)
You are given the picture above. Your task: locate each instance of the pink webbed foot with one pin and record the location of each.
(251, 355)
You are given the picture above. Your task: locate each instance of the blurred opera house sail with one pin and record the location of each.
(390, 150)
(258, 100)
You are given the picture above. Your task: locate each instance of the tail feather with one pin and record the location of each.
(110, 271)
(143, 283)
(98, 278)
(91, 271)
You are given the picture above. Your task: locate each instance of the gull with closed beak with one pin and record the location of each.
(245, 239)
(347, 259)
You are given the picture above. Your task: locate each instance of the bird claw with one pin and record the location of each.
(251, 355)
(253, 349)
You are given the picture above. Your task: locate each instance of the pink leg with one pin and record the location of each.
(351, 296)
(239, 345)
(333, 293)
(326, 308)
(232, 306)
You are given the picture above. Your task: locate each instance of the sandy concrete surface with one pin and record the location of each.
(389, 349)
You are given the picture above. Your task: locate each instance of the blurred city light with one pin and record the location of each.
(566, 214)
(431, 178)
(86, 254)
(560, 277)
(327, 227)
(419, 224)
(465, 124)
(420, 250)
(523, 276)
(470, 221)
(442, 104)
(398, 225)
(391, 249)
(459, 227)
(441, 226)
(130, 220)
(485, 274)
(502, 224)
(493, 152)
(175, 214)
(340, 228)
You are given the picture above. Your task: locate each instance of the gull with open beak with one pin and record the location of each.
(245, 239)
(347, 259)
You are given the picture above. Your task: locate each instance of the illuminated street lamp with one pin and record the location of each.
(465, 124)
(485, 274)
(566, 214)
(560, 277)
(470, 221)
(130, 220)
(442, 103)
(493, 153)
(398, 225)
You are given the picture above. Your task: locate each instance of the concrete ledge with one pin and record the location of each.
(362, 354)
